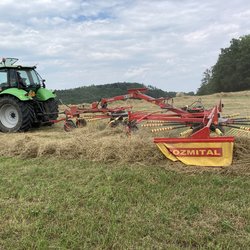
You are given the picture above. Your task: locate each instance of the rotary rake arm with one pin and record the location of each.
(137, 93)
(198, 122)
(75, 116)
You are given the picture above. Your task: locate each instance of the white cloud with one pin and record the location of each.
(137, 71)
(196, 36)
(168, 44)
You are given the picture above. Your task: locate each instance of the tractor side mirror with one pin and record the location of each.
(43, 83)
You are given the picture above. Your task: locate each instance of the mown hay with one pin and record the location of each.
(100, 143)
(106, 145)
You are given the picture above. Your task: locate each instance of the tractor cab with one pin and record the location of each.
(16, 76)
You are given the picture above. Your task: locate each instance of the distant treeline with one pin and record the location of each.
(88, 94)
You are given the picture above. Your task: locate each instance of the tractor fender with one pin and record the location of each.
(44, 94)
(18, 93)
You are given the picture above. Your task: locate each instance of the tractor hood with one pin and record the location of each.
(44, 94)
(23, 95)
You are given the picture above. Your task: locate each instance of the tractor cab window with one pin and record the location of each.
(18, 78)
(22, 78)
(35, 77)
(28, 77)
(3, 78)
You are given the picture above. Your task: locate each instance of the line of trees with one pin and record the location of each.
(231, 71)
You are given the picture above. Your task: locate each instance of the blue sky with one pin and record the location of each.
(164, 43)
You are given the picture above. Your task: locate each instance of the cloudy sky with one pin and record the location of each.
(164, 43)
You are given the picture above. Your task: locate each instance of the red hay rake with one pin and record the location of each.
(202, 144)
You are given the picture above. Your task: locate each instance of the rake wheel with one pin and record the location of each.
(69, 125)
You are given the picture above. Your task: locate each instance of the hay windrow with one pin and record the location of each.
(106, 145)
(100, 143)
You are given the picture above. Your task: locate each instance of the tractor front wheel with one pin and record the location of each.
(15, 115)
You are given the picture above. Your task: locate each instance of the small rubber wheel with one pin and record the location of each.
(80, 123)
(113, 123)
(69, 125)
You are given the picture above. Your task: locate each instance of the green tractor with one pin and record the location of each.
(24, 100)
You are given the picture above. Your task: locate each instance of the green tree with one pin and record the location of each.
(231, 71)
(204, 82)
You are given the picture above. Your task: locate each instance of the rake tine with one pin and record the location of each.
(242, 118)
(161, 124)
(155, 121)
(240, 128)
(165, 122)
(241, 123)
(238, 132)
(230, 116)
(167, 128)
(152, 125)
(173, 123)
(231, 131)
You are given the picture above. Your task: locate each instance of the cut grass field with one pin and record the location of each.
(75, 204)
(95, 188)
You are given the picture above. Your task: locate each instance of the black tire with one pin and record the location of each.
(15, 115)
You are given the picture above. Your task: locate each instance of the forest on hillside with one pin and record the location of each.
(88, 94)
(231, 71)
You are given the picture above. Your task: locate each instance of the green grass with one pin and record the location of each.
(73, 204)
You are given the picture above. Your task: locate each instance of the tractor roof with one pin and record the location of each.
(17, 67)
(10, 63)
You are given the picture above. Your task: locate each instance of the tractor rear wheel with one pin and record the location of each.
(15, 115)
